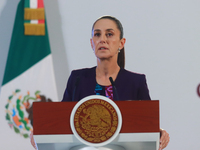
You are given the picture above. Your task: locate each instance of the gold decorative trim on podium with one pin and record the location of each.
(96, 120)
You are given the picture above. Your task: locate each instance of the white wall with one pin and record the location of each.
(163, 42)
(7, 16)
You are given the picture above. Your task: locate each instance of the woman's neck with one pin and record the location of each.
(104, 70)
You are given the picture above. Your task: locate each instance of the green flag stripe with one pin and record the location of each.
(24, 51)
(27, 3)
(27, 21)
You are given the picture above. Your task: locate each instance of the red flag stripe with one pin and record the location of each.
(40, 21)
(40, 4)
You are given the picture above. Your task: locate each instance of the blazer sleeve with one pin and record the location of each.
(68, 91)
(143, 92)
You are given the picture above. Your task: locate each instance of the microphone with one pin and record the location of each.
(76, 84)
(114, 88)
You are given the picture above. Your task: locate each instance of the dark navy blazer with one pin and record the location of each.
(129, 85)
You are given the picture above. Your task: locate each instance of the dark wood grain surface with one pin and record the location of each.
(54, 117)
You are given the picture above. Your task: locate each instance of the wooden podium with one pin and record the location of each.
(140, 125)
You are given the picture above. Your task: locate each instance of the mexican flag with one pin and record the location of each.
(28, 75)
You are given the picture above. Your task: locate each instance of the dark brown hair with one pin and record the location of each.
(121, 54)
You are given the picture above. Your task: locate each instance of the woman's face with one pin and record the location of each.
(105, 39)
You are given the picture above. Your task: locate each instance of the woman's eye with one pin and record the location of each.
(109, 34)
(97, 34)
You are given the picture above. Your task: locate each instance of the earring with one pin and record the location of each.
(119, 50)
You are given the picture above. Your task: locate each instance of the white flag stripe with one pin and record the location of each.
(33, 3)
(38, 77)
(34, 21)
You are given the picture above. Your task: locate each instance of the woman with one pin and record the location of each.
(107, 43)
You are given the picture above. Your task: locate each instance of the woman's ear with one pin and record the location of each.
(91, 42)
(122, 43)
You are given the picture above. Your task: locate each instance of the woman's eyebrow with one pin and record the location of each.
(98, 30)
(109, 29)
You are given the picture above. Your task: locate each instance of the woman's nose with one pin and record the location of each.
(102, 39)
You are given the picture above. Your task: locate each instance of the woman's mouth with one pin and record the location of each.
(103, 48)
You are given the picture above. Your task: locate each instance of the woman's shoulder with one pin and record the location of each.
(82, 71)
(131, 74)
